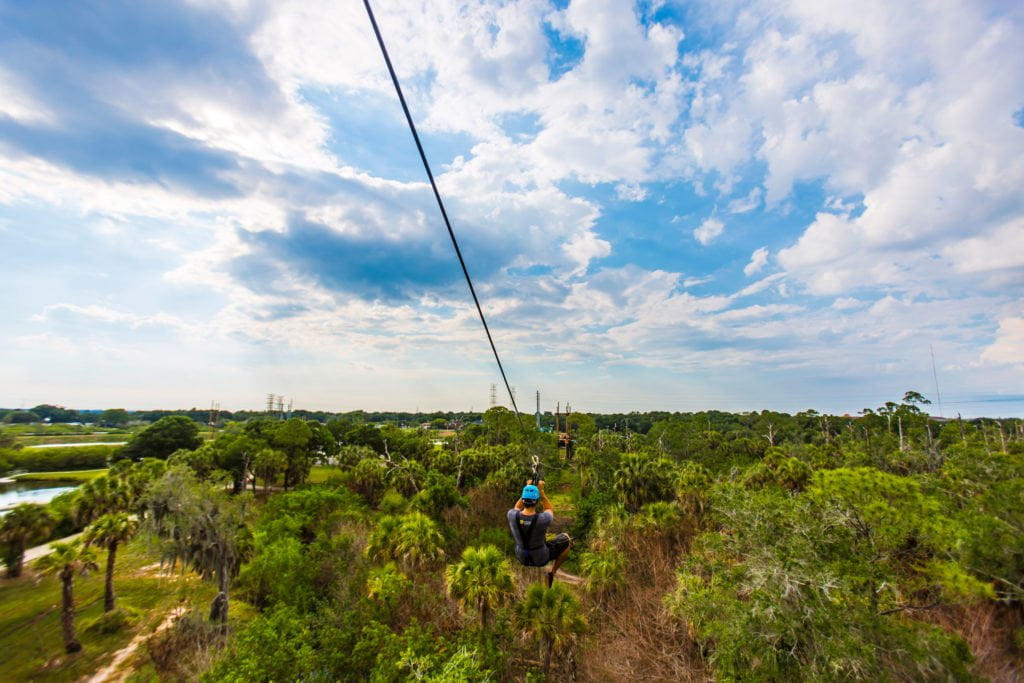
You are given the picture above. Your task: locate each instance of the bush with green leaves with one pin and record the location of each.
(643, 478)
(437, 495)
(779, 469)
(83, 457)
(164, 437)
(275, 646)
(810, 587)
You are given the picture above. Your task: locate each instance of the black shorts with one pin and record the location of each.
(557, 545)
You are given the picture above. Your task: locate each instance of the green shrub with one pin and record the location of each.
(84, 457)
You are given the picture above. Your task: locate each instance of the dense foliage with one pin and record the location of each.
(757, 546)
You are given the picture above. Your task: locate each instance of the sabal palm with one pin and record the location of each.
(101, 496)
(381, 543)
(412, 539)
(482, 579)
(641, 479)
(419, 540)
(68, 560)
(25, 524)
(551, 615)
(109, 531)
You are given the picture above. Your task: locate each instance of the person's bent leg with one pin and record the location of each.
(561, 544)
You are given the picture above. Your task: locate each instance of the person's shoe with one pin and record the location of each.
(551, 578)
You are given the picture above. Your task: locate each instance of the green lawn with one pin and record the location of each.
(318, 474)
(35, 435)
(31, 645)
(74, 475)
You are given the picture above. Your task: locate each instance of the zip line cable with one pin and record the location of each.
(440, 205)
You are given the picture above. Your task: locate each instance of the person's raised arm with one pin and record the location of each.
(544, 499)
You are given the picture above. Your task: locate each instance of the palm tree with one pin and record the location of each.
(67, 560)
(110, 530)
(482, 579)
(380, 544)
(25, 524)
(552, 616)
(101, 496)
(642, 479)
(419, 541)
(412, 539)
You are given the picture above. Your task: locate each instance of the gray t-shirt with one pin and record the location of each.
(520, 526)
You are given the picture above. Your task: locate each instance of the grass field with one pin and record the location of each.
(318, 474)
(75, 475)
(31, 645)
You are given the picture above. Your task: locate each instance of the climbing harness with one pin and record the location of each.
(527, 535)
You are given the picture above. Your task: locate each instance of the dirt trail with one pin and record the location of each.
(110, 673)
(35, 553)
(568, 578)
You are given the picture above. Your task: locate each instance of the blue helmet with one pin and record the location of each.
(531, 492)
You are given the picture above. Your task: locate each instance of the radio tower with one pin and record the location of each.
(214, 416)
(537, 414)
(494, 395)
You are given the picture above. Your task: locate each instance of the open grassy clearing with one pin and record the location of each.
(319, 474)
(31, 645)
(35, 435)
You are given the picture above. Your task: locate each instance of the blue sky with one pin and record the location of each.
(679, 206)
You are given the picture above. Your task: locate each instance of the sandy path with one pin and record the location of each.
(35, 553)
(568, 578)
(110, 673)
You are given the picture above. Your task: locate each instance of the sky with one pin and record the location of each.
(722, 204)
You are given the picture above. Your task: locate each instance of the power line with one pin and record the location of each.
(440, 204)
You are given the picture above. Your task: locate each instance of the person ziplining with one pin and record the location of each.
(529, 529)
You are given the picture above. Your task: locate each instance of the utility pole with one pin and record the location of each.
(214, 416)
(494, 395)
(537, 414)
(936, 376)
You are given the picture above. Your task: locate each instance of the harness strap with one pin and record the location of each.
(529, 533)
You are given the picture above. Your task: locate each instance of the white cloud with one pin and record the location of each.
(1008, 347)
(630, 192)
(846, 303)
(708, 231)
(19, 104)
(757, 261)
(107, 315)
(746, 204)
(902, 113)
(1002, 248)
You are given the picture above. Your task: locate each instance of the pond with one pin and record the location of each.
(17, 492)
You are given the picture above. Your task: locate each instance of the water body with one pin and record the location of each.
(18, 492)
